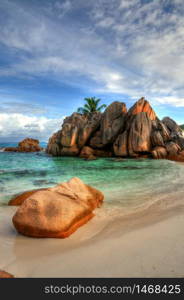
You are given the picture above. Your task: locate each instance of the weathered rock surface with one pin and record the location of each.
(142, 105)
(112, 123)
(172, 126)
(172, 148)
(88, 151)
(11, 149)
(26, 145)
(74, 134)
(136, 137)
(121, 145)
(96, 140)
(177, 157)
(159, 152)
(59, 211)
(139, 139)
(19, 199)
(54, 145)
(116, 132)
(4, 274)
(157, 138)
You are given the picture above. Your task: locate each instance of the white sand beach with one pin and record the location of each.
(146, 243)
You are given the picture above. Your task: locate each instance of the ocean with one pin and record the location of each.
(126, 184)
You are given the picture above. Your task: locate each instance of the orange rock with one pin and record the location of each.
(4, 274)
(177, 157)
(112, 121)
(74, 134)
(29, 145)
(19, 199)
(52, 146)
(58, 211)
(11, 149)
(26, 145)
(139, 136)
(91, 157)
(87, 151)
(121, 145)
(159, 152)
(173, 149)
(142, 105)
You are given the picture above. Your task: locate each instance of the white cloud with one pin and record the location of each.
(24, 107)
(128, 3)
(63, 7)
(170, 100)
(128, 47)
(17, 126)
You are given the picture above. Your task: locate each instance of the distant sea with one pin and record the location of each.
(126, 183)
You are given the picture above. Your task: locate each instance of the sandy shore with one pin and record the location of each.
(146, 243)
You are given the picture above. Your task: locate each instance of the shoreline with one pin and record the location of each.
(144, 243)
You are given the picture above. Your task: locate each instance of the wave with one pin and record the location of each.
(167, 203)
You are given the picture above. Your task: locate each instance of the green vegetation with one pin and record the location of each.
(91, 106)
(182, 126)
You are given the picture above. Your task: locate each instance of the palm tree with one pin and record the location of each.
(91, 106)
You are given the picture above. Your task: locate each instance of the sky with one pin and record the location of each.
(54, 53)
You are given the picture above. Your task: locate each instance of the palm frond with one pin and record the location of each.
(101, 107)
(91, 106)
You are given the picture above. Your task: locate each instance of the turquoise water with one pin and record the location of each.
(125, 183)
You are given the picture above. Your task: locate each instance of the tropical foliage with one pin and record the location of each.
(91, 105)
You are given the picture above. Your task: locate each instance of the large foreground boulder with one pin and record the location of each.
(26, 145)
(57, 212)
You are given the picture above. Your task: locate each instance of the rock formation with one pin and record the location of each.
(57, 212)
(76, 131)
(112, 122)
(26, 145)
(117, 132)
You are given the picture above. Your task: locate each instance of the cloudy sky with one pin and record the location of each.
(53, 53)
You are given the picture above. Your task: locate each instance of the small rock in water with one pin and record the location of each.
(91, 157)
(26, 145)
(4, 274)
(119, 159)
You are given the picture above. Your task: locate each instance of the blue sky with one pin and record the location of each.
(55, 53)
